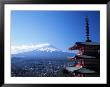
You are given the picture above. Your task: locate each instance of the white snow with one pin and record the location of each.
(39, 47)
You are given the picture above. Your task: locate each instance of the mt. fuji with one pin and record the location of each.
(38, 51)
(39, 47)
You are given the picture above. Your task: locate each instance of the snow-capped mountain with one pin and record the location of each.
(38, 51)
(39, 47)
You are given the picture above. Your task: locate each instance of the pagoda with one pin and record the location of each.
(88, 58)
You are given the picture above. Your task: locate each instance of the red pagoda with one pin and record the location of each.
(88, 58)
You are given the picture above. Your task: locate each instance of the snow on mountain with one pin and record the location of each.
(39, 47)
(38, 51)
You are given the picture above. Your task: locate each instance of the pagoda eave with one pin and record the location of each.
(75, 47)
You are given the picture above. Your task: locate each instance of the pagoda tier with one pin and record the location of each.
(87, 45)
(90, 62)
(87, 48)
(80, 72)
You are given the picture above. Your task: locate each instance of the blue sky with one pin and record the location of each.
(59, 28)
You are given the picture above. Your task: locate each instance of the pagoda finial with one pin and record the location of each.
(87, 30)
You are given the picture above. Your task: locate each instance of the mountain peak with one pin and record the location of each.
(38, 47)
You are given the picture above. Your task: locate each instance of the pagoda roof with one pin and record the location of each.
(85, 70)
(71, 69)
(87, 43)
(79, 70)
(80, 44)
(72, 57)
(74, 47)
(84, 56)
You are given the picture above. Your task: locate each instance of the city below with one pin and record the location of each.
(39, 67)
